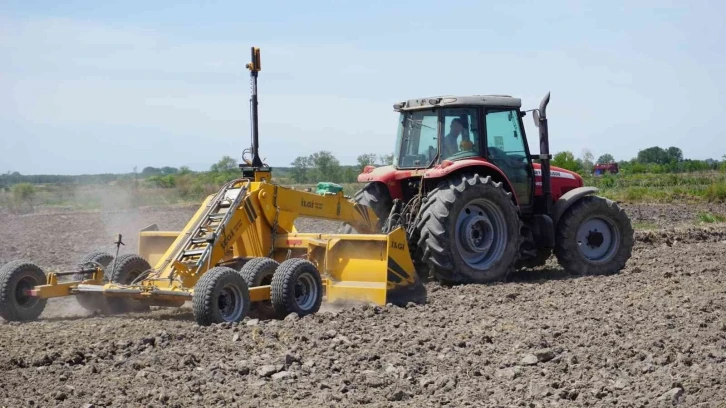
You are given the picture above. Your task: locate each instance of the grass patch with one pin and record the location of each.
(645, 226)
(716, 192)
(662, 188)
(708, 217)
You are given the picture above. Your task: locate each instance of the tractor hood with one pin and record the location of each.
(562, 180)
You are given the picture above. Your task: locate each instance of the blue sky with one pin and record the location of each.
(87, 87)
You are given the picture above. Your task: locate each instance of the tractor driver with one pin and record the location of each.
(451, 144)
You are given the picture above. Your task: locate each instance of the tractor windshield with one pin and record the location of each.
(417, 140)
(418, 136)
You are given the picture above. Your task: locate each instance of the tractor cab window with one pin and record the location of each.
(506, 149)
(417, 139)
(461, 134)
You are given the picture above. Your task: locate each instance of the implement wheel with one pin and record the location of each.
(17, 278)
(259, 272)
(296, 288)
(125, 270)
(93, 301)
(594, 237)
(221, 295)
(93, 260)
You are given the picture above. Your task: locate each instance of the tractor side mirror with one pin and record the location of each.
(535, 116)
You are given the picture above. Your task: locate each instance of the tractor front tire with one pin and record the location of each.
(16, 279)
(470, 231)
(220, 295)
(124, 270)
(259, 272)
(376, 196)
(594, 237)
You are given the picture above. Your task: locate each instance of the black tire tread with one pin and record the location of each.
(100, 257)
(432, 246)
(203, 304)
(256, 268)
(569, 257)
(284, 280)
(116, 272)
(7, 311)
(253, 272)
(376, 196)
(120, 265)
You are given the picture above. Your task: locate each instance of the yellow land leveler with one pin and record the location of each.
(239, 253)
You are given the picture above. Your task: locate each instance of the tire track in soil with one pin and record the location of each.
(653, 335)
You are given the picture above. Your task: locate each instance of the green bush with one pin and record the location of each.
(23, 192)
(716, 192)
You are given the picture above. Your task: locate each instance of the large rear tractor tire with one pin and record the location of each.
(259, 272)
(125, 270)
(93, 301)
(594, 237)
(376, 196)
(221, 295)
(16, 279)
(296, 288)
(470, 231)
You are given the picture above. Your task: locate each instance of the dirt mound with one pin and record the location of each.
(652, 336)
(690, 235)
(669, 215)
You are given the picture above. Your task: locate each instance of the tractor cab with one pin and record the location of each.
(435, 131)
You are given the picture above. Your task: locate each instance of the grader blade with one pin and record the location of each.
(370, 268)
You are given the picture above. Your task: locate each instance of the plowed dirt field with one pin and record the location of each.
(654, 335)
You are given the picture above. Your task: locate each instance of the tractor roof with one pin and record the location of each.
(453, 101)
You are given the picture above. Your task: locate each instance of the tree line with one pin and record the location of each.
(324, 166)
(650, 160)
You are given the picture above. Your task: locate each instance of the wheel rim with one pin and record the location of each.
(22, 292)
(597, 239)
(230, 303)
(306, 291)
(481, 234)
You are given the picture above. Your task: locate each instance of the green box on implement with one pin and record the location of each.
(325, 187)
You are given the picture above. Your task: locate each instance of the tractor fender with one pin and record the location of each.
(475, 165)
(569, 198)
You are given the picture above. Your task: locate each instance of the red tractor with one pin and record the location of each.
(601, 168)
(476, 205)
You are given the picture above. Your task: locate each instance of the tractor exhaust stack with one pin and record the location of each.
(540, 120)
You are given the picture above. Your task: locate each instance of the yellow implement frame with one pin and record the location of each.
(217, 258)
(374, 268)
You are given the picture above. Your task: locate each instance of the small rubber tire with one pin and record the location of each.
(15, 278)
(100, 258)
(93, 302)
(438, 242)
(376, 196)
(568, 244)
(259, 272)
(124, 270)
(296, 288)
(217, 290)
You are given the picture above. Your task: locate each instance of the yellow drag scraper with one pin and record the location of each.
(240, 251)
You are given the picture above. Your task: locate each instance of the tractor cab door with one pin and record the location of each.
(507, 149)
